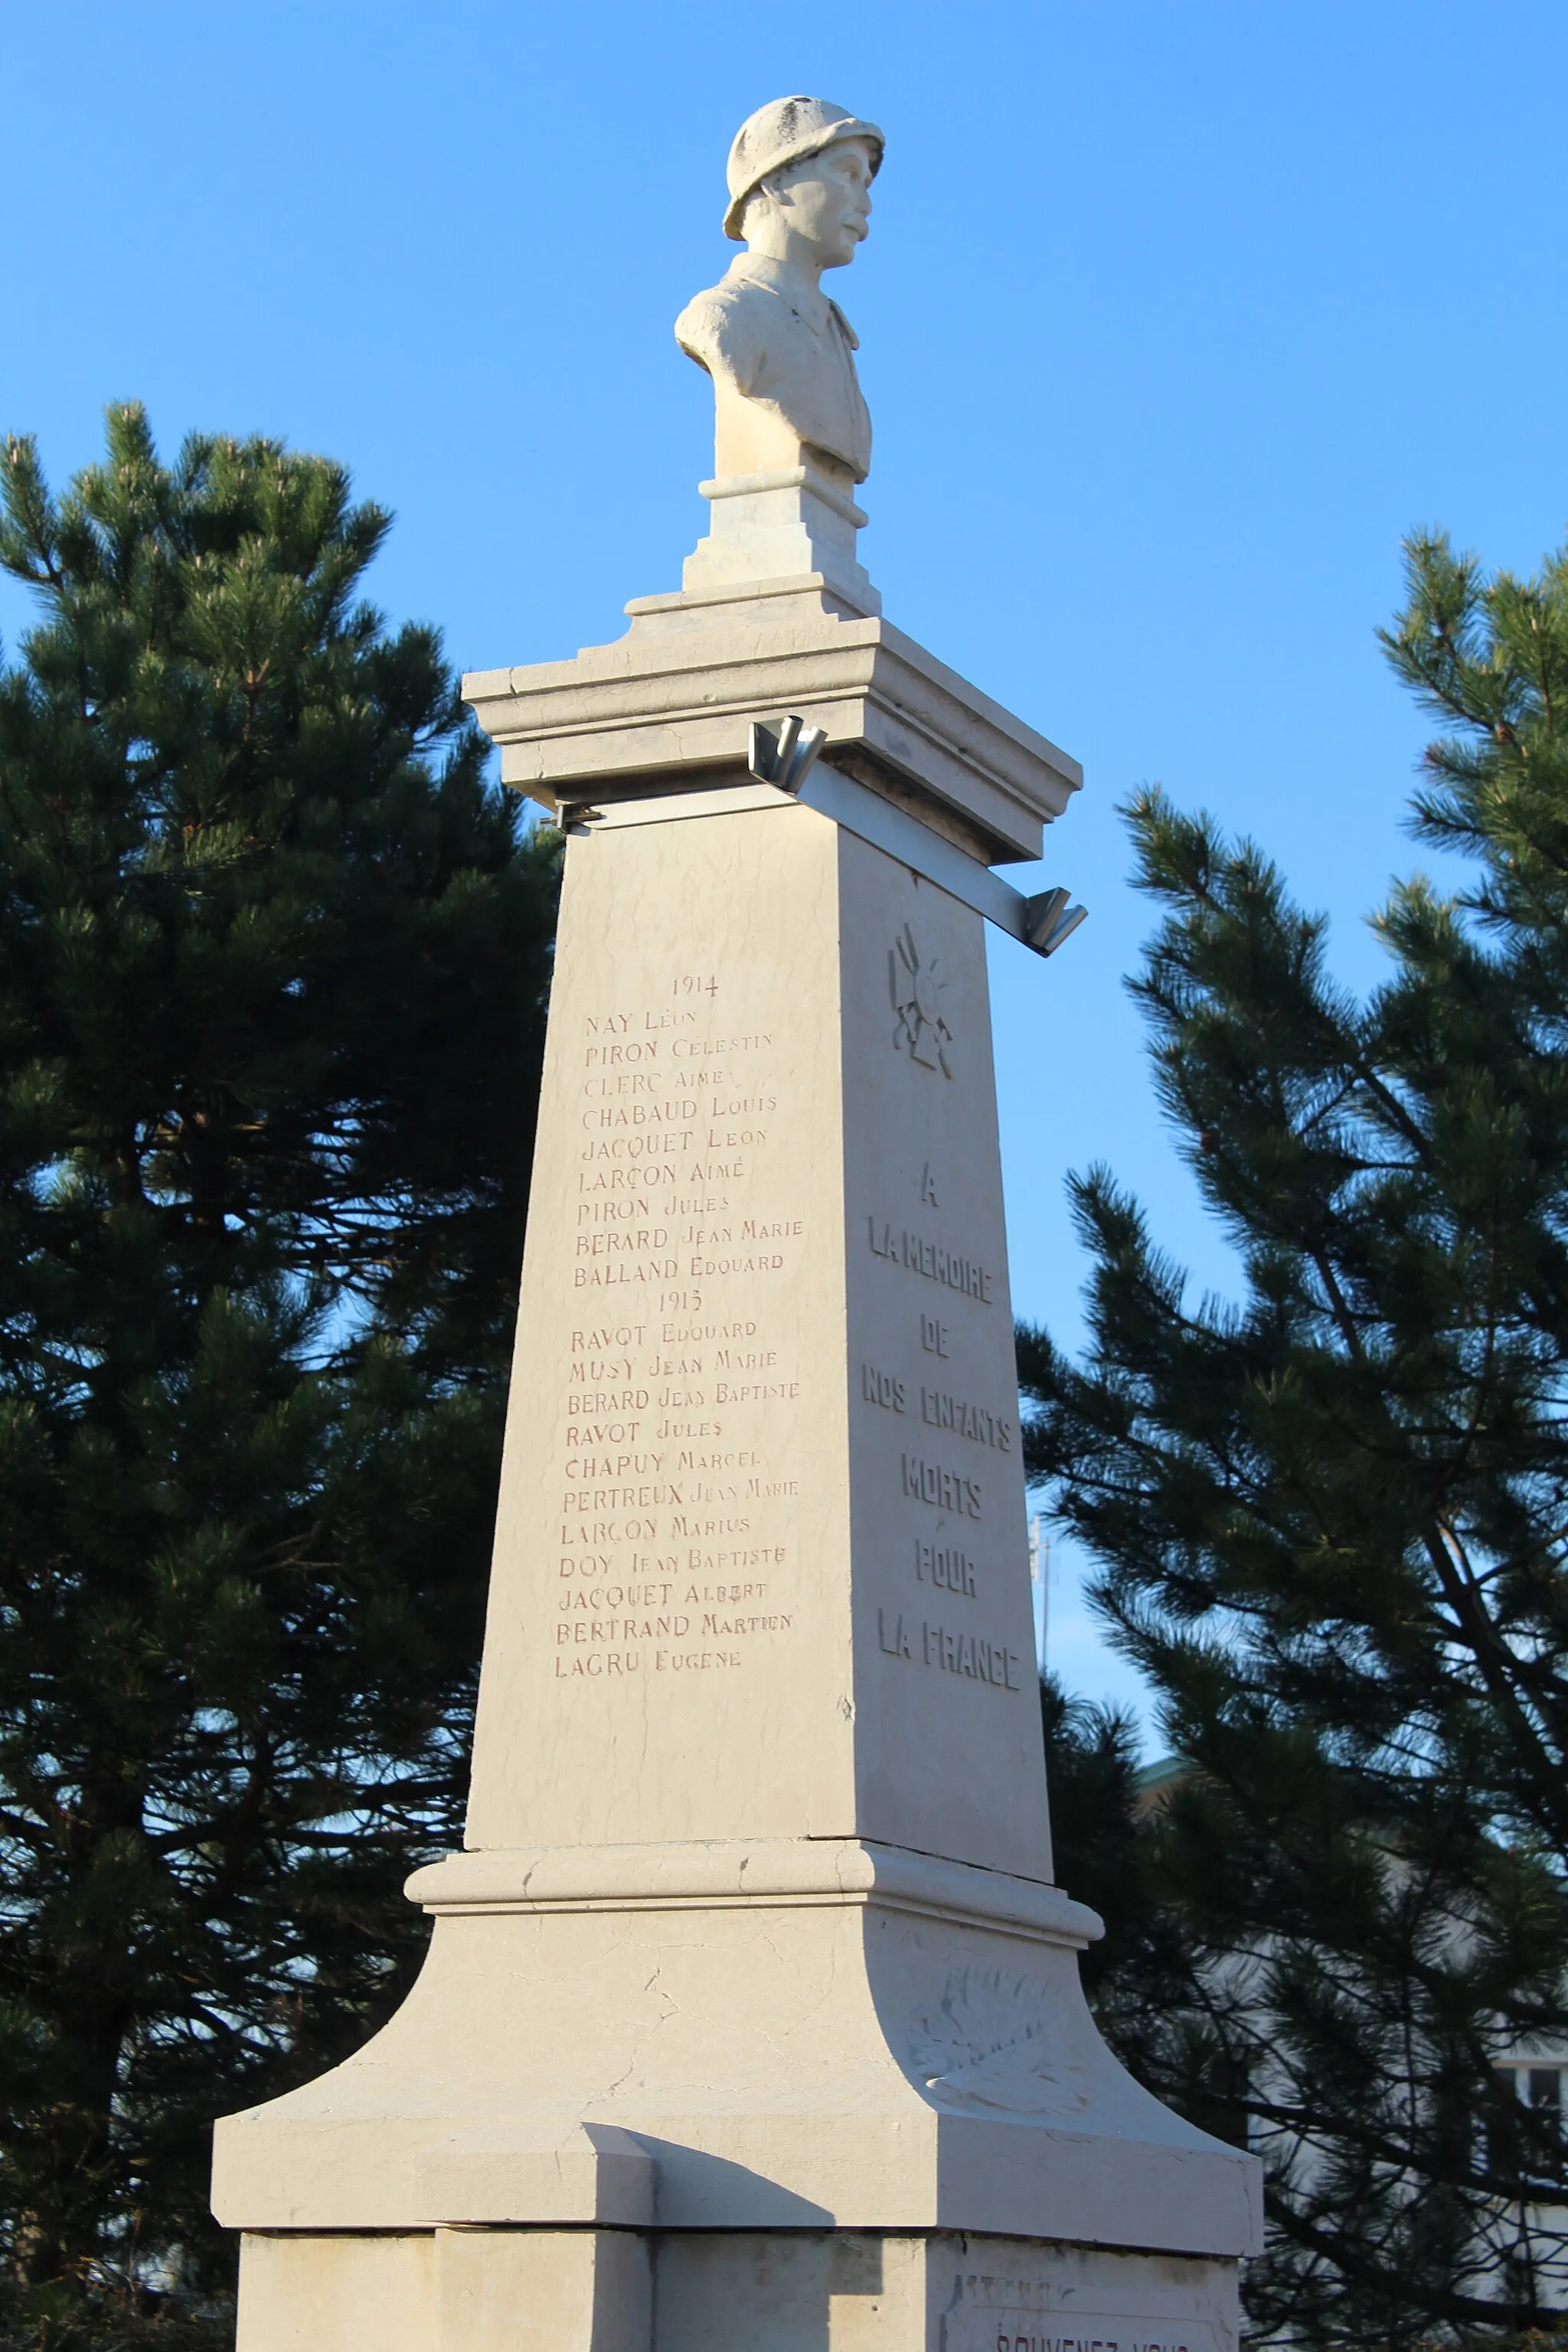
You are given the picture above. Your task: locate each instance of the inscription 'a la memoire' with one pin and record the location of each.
(935, 1260)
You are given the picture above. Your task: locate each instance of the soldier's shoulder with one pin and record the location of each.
(726, 321)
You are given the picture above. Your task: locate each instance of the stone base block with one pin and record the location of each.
(709, 2291)
(845, 2040)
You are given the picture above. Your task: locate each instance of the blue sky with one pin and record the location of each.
(1173, 318)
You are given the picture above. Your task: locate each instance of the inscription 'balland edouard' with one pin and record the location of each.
(670, 1560)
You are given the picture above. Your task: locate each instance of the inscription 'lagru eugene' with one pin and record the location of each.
(934, 1259)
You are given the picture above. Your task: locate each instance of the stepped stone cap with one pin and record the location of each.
(786, 131)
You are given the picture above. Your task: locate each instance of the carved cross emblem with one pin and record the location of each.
(918, 988)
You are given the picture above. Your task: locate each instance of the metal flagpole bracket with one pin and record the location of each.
(1049, 921)
(787, 758)
(785, 770)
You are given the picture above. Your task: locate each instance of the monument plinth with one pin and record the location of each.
(752, 2013)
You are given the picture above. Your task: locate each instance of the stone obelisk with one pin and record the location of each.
(752, 2013)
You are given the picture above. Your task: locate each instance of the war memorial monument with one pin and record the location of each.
(752, 2018)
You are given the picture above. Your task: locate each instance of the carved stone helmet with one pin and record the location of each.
(787, 130)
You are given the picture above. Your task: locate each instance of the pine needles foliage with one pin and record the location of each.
(274, 957)
(1330, 1515)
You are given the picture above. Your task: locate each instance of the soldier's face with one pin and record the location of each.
(827, 199)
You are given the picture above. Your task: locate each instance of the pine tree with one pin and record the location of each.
(1331, 1516)
(273, 963)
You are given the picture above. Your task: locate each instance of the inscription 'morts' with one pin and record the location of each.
(944, 1489)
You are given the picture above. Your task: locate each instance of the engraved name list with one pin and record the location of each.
(676, 1535)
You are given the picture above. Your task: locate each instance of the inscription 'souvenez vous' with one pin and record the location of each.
(994, 2313)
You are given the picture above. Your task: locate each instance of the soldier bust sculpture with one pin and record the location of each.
(781, 353)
